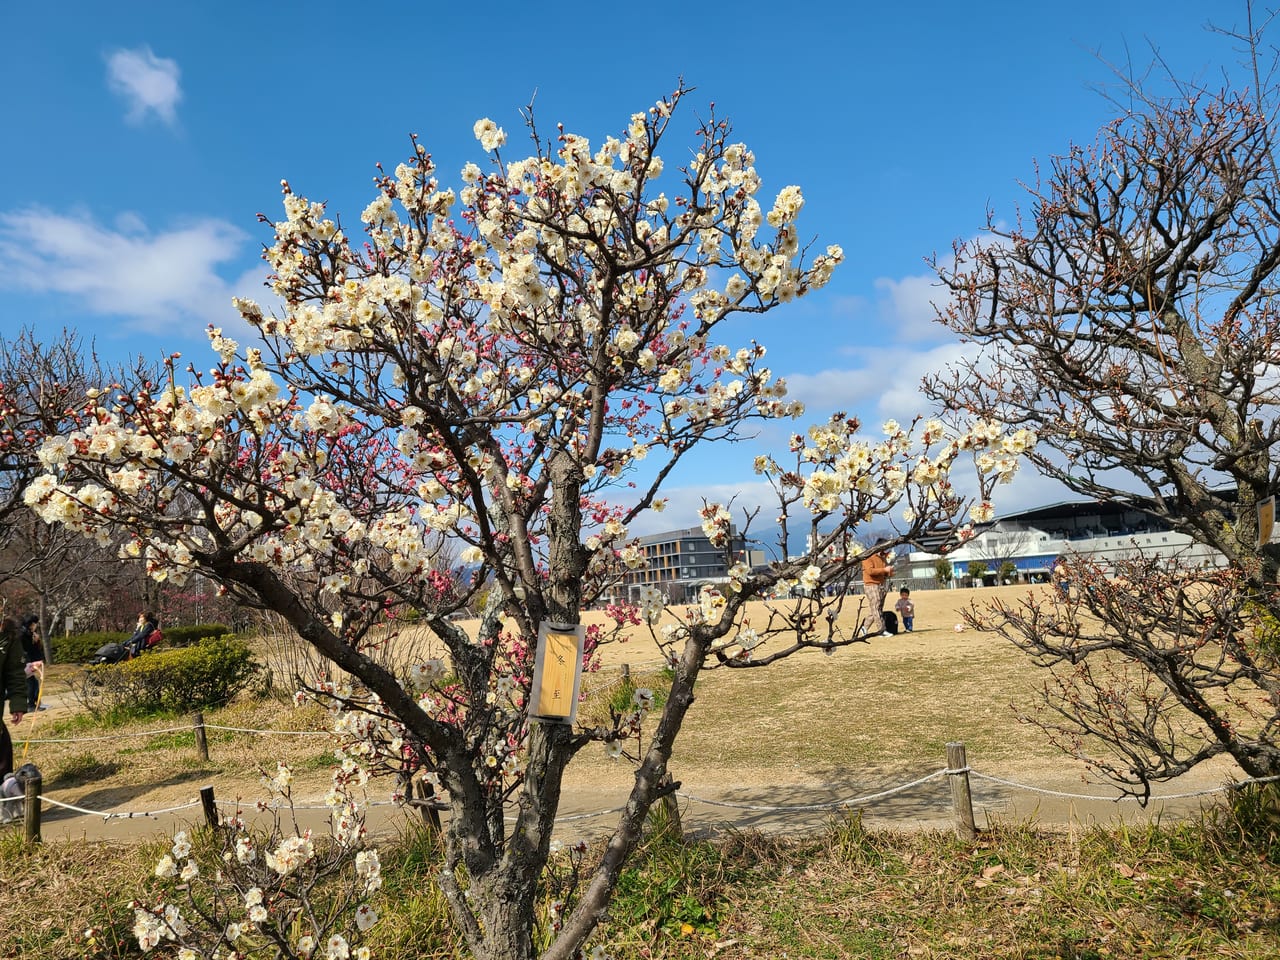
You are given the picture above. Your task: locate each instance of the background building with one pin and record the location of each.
(1031, 540)
(679, 562)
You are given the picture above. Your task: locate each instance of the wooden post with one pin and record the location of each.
(430, 814)
(202, 742)
(961, 799)
(626, 673)
(33, 809)
(210, 808)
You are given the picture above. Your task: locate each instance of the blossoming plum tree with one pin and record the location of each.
(505, 376)
(42, 389)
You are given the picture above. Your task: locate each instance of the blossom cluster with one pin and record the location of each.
(273, 887)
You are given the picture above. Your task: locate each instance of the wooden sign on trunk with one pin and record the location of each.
(557, 673)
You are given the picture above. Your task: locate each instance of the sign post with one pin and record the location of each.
(557, 673)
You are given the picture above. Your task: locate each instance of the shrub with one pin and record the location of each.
(209, 673)
(81, 647)
(193, 633)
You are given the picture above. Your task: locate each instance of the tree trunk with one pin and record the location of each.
(508, 927)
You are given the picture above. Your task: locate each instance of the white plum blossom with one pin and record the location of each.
(424, 675)
(811, 577)
(290, 855)
(490, 135)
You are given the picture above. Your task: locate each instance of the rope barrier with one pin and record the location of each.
(121, 736)
(267, 733)
(753, 807)
(113, 815)
(1208, 791)
(207, 726)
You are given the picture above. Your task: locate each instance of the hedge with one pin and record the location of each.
(80, 648)
(208, 673)
(194, 633)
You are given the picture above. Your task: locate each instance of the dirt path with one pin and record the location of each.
(707, 805)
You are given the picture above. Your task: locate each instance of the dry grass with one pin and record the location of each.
(1016, 893)
(891, 705)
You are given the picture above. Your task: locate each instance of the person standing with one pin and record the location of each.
(906, 609)
(13, 687)
(1062, 577)
(876, 571)
(33, 651)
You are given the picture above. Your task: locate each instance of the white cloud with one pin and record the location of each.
(883, 382)
(153, 279)
(908, 304)
(147, 84)
(683, 504)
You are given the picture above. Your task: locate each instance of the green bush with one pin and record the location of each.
(194, 633)
(81, 647)
(207, 674)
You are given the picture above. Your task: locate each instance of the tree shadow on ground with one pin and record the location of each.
(804, 808)
(110, 800)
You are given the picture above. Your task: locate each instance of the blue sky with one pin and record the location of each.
(144, 138)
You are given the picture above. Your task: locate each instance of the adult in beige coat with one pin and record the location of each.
(876, 571)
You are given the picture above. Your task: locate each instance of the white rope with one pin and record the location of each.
(123, 815)
(1209, 791)
(569, 818)
(754, 807)
(292, 733)
(119, 736)
(190, 729)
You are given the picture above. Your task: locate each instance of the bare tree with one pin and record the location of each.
(1131, 317)
(1152, 670)
(998, 547)
(63, 571)
(42, 386)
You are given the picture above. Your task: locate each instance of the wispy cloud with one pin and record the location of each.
(154, 279)
(909, 303)
(743, 499)
(880, 382)
(147, 84)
